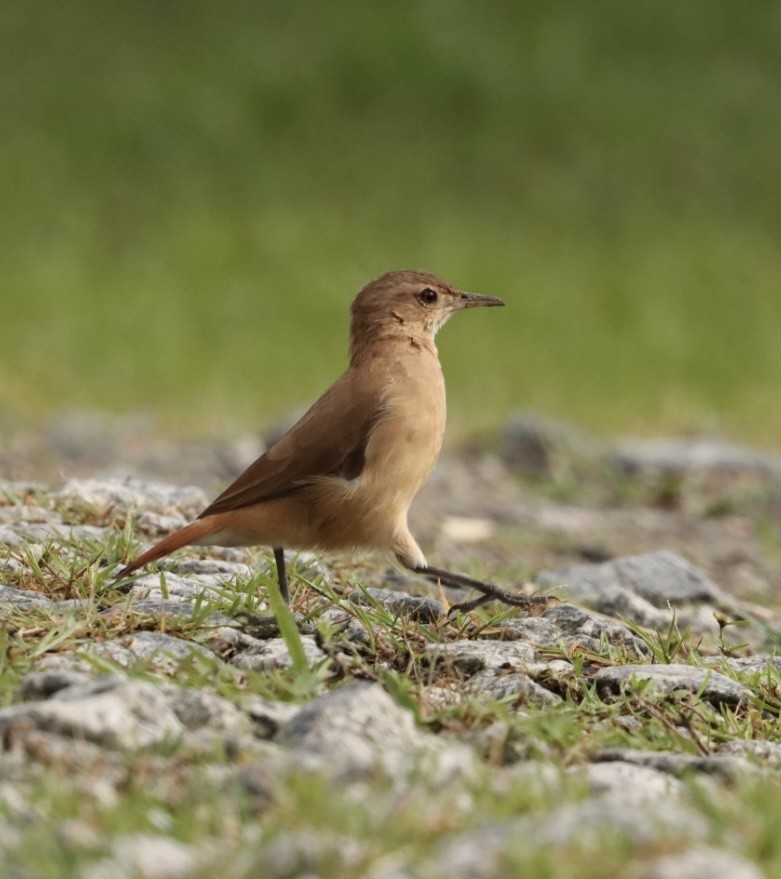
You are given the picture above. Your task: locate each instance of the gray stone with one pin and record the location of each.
(747, 665)
(22, 599)
(25, 534)
(121, 714)
(260, 779)
(578, 622)
(219, 570)
(660, 578)
(26, 599)
(199, 709)
(358, 727)
(126, 494)
(111, 712)
(755, 749)
(26, 514)
(158, 524)
(232, 638)
(615, 601)
(470, 657)
(161, 607)
(681, 456)
(339, 622)
(10, 566)
(358, 731)
(636, 783)
(514, 685)
(267, 715)
(45, 682)
(698, 862)
(11, 539)
(416, 607)
(610, 600)
(536, 631)
(93, 774)
(162, 652)
(273, 653)
(165, 585)
(532, 445)
(564, 625)
(707, 684)
(721, 767)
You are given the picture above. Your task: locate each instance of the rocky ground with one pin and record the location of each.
(176, 729)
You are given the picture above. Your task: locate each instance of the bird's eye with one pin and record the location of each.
(428, 296)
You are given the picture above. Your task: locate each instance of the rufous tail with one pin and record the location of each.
(191, 533)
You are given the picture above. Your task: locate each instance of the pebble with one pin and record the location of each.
(359, 730)
(670, 678)
(723, 766)
(109, 711)
(660, 578)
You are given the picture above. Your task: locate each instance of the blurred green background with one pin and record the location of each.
(192, 193)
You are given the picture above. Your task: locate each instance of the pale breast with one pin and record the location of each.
(406, 441)
(371, 510)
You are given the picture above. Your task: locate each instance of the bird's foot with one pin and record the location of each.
(489, 591)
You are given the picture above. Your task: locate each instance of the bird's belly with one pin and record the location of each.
(342, 515)
(372, 509)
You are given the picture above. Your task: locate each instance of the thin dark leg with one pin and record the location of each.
(488, 590)
(267, 627)
(279, 558)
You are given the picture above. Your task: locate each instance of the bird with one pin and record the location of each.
(344, 475)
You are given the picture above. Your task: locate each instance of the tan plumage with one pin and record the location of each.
(345, 474)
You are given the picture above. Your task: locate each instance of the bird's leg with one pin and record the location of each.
(266, 627)
(279, 558)
(489, 590)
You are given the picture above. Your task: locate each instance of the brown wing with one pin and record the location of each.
(330, 439)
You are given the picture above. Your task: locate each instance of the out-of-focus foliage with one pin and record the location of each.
(193, 191)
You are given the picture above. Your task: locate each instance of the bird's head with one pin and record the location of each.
(408, 303)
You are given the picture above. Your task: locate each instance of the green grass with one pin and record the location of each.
(354, 841)
(193, 193)
(196, 797)
(85, 799)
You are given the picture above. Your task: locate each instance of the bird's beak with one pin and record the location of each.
(474, 300)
